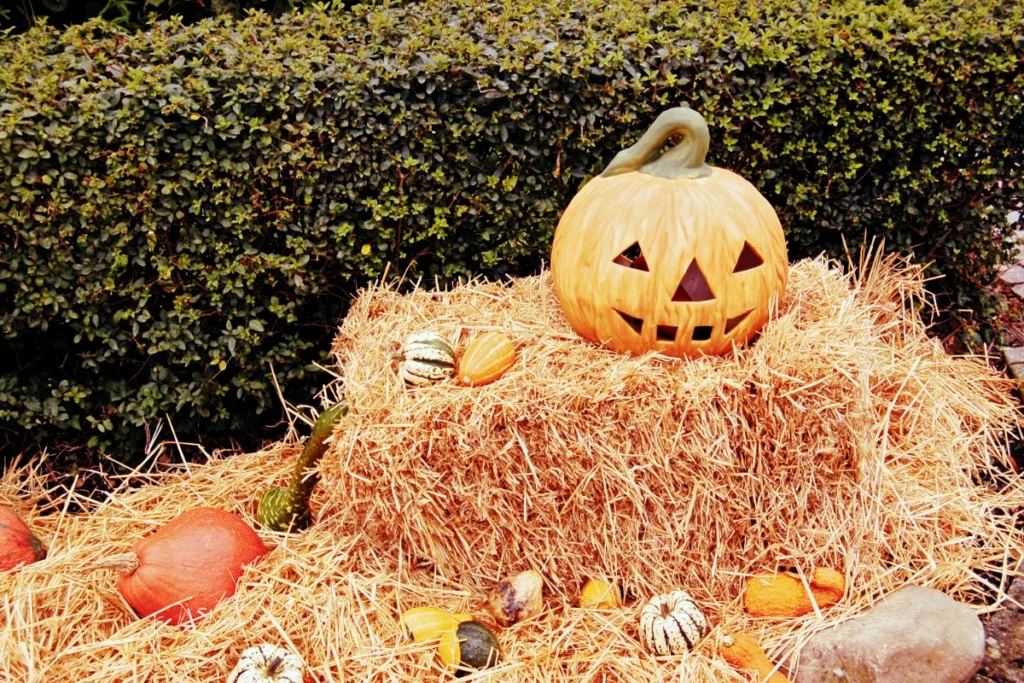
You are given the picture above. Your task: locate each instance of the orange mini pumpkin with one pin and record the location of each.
(662, 252)
(18, 545)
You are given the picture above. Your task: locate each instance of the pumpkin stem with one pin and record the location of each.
(38, 549)
(125, 563)
(274, 666)
(684, 160)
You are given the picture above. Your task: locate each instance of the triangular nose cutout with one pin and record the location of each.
(632, 257)
(693, 286)
(748, 259)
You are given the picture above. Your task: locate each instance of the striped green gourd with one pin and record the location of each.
(286, 508)
(426, 357)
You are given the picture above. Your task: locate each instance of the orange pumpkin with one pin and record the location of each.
(486, 359)
(665, 253)
(18, 545)
(189, 565)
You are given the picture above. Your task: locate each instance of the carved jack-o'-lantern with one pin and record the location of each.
(662, 252)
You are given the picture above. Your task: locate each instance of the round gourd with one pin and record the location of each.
(486, 359)
(18, 545)
(664, 253)
(671, 624)
(426, 357)
(189, 565)
(472, 647)
(516, 598)
(267, 664)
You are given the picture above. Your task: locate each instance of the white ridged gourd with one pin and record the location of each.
(671, 624)
(426, 357)
(267, 664)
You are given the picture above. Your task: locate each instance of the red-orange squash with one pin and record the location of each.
(486, 359)
(189, 565)
(18, 545)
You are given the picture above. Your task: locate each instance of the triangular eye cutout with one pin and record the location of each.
(632, 257)
(693, 286)
(731, 323)
(636, 323)
(748, 259)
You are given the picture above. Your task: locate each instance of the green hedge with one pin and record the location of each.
(183, 207)
(135, 13)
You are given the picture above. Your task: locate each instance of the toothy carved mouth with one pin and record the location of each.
(668, 333)
(636, 323)
(731, 323)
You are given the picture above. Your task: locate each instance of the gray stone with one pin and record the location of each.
(915, 635)
(1017, 370)
(1014, 355)
(1018, 290)
(1014, 275)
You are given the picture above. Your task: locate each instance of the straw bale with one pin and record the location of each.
(844, 437)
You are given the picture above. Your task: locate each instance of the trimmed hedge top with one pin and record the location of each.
(184, 206)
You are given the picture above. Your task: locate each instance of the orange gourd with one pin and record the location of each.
(188, 566)
(18, 545)
(598, 594)
(665, 253)
(743, 652)
(782, 595)
(486, 359)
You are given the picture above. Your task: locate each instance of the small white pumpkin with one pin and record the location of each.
(671, 624)
(267, 664)
(426, 357)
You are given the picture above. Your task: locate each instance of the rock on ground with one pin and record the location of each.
(915, 635)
